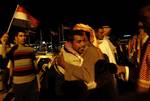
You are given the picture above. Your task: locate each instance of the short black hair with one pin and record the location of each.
(17, 30)
(97, 28)
(70, 35)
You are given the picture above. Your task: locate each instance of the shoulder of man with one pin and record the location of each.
(94, 50)
(13, 48)
(91, 47)
(11, 51)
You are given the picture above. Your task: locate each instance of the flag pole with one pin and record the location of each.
(12, 19)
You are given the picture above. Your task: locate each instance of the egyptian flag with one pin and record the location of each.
(22, 18)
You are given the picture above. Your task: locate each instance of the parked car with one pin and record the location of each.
(44, 58)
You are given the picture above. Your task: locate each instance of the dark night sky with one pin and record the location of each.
(121, 14)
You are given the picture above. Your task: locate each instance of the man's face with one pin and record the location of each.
(99, 33)
(21, 38)
(79, 43)
(107, 30)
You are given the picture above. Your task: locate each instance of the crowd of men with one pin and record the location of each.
(90, 65)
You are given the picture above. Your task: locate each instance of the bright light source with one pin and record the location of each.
(43, 42)
(127, 35)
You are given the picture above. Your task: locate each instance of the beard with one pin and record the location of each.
(81, 50)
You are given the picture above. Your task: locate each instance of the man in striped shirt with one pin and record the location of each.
(23, 69)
